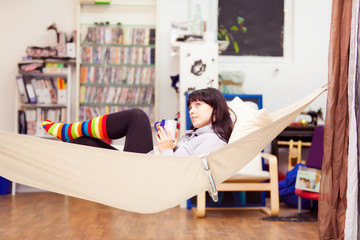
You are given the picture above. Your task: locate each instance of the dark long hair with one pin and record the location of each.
(220, 118)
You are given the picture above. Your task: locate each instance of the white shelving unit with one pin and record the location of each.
(107, 18)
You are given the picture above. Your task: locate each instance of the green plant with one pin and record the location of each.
(224, 34)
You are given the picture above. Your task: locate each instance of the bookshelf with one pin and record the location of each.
(42, 94)
(116, 63)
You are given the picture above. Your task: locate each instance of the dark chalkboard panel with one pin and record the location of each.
(264, 23)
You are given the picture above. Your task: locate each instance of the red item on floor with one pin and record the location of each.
(307, 194)
(281, 176)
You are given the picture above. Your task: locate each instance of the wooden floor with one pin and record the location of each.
(42, 216)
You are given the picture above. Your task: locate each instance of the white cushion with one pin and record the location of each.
(248, 119)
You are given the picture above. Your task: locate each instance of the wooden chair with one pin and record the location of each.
(246, 181)
(295, 149)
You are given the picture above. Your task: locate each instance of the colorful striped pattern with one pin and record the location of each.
(95, 127)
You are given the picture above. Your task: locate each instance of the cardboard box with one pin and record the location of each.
(308, 179)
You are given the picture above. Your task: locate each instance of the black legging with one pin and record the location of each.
(133, 124)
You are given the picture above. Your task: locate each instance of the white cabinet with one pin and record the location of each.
(198, 68)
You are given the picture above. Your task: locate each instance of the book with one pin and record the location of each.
(22, 122)
(85, 74)
(61, 91)
(89, 37)
(107, 35)
(120, 35)
(152, 36)
(123, 55)
(146, 55)
(92, 74)
(114, 34)
(117, 59)
(308, 179)
(82, 113)
(142, 95)
(113, 75)
(131, 75)
(98, 95)
(151, 76)
(55, 67)
(49, 85)
(82, 93)
(87, 93)
(133, 54)
(44, 91)
(92, 94)
(31, 67)
(30, 121)
(40, 117)
(55, 70)
(30, 91)
(21, 89)
(110, 95)
(139, 56)
(124, 95)
(105, 94)
(37, 90)
(152, 56)
(117, 95)
(146, 36)
(124, 74)
(149, 98)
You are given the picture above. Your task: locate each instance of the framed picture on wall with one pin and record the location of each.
(254, 29)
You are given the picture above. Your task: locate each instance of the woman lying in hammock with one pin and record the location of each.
(211, 128)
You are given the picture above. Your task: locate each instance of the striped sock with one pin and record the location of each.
(95, 127)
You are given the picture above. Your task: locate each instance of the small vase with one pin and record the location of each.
(197, 24)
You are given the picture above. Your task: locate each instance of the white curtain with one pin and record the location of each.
(351, 220)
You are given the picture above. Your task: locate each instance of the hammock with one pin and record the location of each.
(134, 182)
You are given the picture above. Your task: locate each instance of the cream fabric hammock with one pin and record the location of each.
(134, 182)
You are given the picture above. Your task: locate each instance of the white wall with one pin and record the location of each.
(168, 11)
(304, 71)
(23, 23)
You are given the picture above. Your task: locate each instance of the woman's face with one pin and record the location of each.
(200, 113)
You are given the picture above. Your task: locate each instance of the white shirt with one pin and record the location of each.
(198, 142)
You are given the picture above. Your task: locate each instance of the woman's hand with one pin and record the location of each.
(164, 140)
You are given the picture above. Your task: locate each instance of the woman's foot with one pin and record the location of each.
(67, 132)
